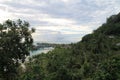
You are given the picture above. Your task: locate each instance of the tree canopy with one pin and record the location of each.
(15, 44)
(95, 57)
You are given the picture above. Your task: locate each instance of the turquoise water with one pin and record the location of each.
(41, 50)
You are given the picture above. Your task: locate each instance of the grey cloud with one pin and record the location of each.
(58, 37)
(90, 13)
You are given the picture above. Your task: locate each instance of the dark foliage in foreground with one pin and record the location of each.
(95, 57)
(15, 44)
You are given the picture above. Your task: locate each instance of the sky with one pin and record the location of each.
(59, 21)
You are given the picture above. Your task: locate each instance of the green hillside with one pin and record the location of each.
(95, 57)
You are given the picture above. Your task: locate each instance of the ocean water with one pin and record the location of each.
(41, 50)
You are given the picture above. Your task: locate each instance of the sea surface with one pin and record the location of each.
(41, 50)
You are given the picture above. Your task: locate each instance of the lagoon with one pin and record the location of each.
(41, 50)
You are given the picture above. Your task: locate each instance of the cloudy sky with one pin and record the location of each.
(60, 21)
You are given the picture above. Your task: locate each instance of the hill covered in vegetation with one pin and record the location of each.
(95, 57)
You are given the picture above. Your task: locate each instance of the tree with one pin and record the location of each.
(15, 44)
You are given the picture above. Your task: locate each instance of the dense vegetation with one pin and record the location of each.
(15, 44)
(95, 57)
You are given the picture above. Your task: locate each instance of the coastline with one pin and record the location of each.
(41, 50)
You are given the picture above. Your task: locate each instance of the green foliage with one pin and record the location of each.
(109, 69)
(15, 44)
(95, 57)
(111, 27)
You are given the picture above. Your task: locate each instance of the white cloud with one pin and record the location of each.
(60, 20)
(2, 1)
(66, 1)
(71, 29)
(4, 14)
